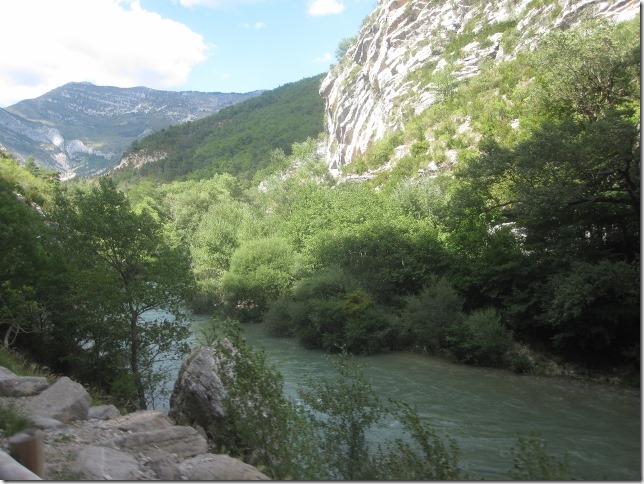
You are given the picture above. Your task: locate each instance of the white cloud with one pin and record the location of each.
(107, 42)
(325, 7)
(216, 3)
(256, 25)
(323, 59)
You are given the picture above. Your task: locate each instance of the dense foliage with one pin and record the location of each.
(81, 273)
(528, 244)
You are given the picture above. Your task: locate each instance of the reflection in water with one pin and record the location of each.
(483, 410)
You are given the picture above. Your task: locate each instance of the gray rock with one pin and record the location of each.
(140, 421)
(182, 441)
(45, 423)
(103, 412)
(100, 463)
(6, 373)
(217, 467)
(22, 386)
(164, 470)
(198, 392)
(65, 400)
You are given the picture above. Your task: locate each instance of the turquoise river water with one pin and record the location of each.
(483, 410)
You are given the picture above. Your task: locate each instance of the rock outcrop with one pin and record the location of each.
(197, 397)
(64, 401)
(97, 443)
(390, 70)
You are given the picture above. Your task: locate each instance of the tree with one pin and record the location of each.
(125, 270)
(261, 425)
(260, 271)
(23, 260)
(590, 69)
(350, 407)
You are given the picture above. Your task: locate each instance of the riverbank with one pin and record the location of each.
(524, 360)
(485, 409)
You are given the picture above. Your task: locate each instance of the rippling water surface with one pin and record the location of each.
(599, 426)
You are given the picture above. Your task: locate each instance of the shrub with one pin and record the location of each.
(422, 457)
(428, 315)
(12, 420)
(343, 408)
(260, 271)
(330, 311)
(480, 339)
(533, 463)
(262, 426)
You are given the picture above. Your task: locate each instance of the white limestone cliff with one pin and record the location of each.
(373, 88)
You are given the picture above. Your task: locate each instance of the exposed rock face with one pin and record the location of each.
(103, 463)
(197, 397)
(65, 401)
(140, 421)
(378, 82)
(103, 412)
(177, 440)
(101, 444)
(211, 467)
(22, 386)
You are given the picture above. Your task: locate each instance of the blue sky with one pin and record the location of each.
(201, 45)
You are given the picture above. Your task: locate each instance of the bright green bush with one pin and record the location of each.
(260, 271)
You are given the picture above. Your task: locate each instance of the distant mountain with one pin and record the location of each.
(84, 129)
(238, 140)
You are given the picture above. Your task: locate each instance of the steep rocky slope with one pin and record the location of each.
(81, 128)
(406, 49)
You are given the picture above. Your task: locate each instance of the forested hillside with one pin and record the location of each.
(238, 140)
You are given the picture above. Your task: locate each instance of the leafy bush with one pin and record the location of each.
(331, 312)
(533, 463)
(428, 315)
(344, 407)
(480, 338)
(260, 271)
(12, 420)
(262, 426)
(423, 457)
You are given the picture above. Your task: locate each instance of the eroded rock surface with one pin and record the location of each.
(97, 443)
(392, 68)
(197, 397)
(65, 400)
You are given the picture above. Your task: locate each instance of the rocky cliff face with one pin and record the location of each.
(382, 77)
(82, 128)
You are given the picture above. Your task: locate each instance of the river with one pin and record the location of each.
(483, 409)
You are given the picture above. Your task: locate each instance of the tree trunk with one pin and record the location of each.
(134, 359)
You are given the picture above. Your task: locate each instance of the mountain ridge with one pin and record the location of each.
(80, 128)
